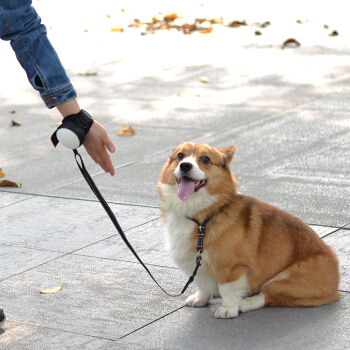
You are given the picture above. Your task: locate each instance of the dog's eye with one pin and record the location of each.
(180, 156)
(205, 160)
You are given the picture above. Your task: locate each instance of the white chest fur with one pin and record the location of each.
(178, 231)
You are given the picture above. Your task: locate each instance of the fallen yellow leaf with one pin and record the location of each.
(52, 290)
(1, 173)
(203, 79)
(121, 30)
(126, 131)
(4, 183)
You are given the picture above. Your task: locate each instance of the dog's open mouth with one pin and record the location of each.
(188, 186)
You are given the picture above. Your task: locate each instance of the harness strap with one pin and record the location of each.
(201, 228)
(108, 210)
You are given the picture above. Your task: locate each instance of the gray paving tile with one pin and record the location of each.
(7, 198)
(64, 225)
(271, 328)
(99, 297)
(20, 336)
(147, 240)
(313, 202)
(340, 242)
(135, 183)
(16, 260)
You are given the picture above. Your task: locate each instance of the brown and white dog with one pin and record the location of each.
(255, 255)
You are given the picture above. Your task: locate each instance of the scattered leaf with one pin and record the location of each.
(235, 24)
(116, 29)
(13, 112)
(126, 131)
(171, 17)
(187, 94)
(1, 173)
(203, 79)
(206, 31)
(50, 291)
(334, 33)
(87, 74)
(258, 32)
(86, 30)
(108, 16)
(7, 183)
(15, 123)
(299, 21)
(168, 68)
(265, 24)
(326, 26)
(291, 43)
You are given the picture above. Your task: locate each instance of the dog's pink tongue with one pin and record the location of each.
(186, 188)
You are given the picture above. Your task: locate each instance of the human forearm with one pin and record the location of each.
(69, 107)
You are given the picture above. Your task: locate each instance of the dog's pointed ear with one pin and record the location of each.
(228, 153)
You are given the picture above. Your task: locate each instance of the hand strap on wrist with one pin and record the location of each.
(71, 133)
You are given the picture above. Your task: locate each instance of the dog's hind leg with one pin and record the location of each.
(252, 303)
(311, 282)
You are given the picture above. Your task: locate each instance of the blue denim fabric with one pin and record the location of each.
(20, 24)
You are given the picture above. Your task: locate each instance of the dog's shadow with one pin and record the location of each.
(2, 331)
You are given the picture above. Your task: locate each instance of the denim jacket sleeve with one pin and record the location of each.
(20, 24)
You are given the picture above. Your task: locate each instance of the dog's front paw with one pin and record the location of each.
(196, 300)
(227, 312)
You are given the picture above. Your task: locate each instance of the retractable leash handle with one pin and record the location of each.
(71, 133)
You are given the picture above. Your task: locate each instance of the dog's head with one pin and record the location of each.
(197, 171)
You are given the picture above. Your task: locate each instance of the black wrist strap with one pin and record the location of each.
(82, 122)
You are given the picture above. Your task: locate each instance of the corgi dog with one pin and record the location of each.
(254, 255)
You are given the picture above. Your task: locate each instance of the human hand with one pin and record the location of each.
(96, 144)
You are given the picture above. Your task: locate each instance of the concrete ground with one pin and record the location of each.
(286, 110)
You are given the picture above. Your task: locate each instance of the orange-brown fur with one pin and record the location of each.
(280, 254)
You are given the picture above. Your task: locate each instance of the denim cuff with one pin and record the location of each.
(57, 96)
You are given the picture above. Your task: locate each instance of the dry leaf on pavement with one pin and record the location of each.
(203, 79)
(50, 291)
(1, 173)
(116, 29)
(291, 43)
(15, 123)
(206, 31)
(6, 183)
(236, 24)
(126, 131)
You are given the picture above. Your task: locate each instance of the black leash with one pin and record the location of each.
(107, 208)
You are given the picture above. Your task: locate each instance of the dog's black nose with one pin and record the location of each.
(185, 167)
